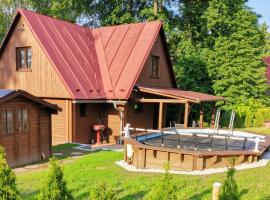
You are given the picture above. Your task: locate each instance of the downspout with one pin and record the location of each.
(121, 119)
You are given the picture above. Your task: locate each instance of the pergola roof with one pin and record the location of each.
(181, 94)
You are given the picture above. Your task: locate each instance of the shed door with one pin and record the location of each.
(22, 140)
(20, 134)
(8, 134)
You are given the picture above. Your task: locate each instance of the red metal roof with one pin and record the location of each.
(102, 63)
(267, 62)
(177, 93)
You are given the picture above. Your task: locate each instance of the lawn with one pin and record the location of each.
(263, 130)
(100, 167)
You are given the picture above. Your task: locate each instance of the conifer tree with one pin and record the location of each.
(102, 192)
(8, 189)
(165, 189)
(55, 189)
(229, 188)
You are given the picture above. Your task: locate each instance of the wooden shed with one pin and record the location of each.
(25, 126)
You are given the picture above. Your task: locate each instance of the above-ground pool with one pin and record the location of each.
(193, 149)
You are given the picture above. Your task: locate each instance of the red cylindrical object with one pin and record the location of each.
(98, 137)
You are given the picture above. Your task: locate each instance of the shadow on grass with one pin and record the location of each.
(265, 198)
(30, 195)
(200, 195)
(137, 195)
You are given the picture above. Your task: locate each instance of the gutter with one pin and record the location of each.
(99, 101)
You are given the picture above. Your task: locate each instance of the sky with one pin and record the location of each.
(261, 7)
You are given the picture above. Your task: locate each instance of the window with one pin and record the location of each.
(7, 121)
(22, 117)
(83, 110)
(23, 58)
(154, 67)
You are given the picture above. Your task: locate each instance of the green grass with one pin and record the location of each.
(98, 167)
(263, 130)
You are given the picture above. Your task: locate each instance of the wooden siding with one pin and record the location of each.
(151, 157)
(62, 123)
(143, 119)
(164, 79)
(83, 132)
(108, 116)
(43, 80)
(24, 148)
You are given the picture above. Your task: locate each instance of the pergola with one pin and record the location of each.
(177, 96)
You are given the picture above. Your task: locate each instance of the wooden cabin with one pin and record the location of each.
(97, 76)
(25, 127)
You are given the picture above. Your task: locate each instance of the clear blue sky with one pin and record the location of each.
(261, 7)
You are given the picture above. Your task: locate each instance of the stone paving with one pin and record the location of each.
(74, 155)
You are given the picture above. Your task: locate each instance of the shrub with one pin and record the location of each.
(8, 189)
(165, 189)
(249, 120)
(102, 192)
(230, 189)
(55, 189)
(261, 115)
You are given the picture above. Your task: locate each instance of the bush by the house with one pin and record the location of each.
(261, 116)
(55, 188)
(8, 189)
(102, 192)
(230, 189)
(165, 189)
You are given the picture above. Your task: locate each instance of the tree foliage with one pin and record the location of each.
(235, 52)
(165, 189)
(55, 188)
(8, 188)
(102, 192)
(230, 189)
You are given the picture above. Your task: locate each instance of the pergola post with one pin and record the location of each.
(160, 116)
(186, 114)
(201, 114)
(179, 115)
(213, 109)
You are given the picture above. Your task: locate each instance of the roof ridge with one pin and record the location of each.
(81, 26)
(52, 17)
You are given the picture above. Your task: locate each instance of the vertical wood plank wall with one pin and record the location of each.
(164, 79)
(143, 119)
(23, 148)
(62, 123)
(43, 80)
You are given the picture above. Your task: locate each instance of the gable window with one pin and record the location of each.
(23, 58)
(7, 121)
(154, 66)
(22, 117)
(83, 110)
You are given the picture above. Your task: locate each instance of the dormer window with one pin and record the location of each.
(154, 67)
(24, 58)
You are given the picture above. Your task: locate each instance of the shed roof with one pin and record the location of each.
(181, 94)
(6, 95)
(102, 63)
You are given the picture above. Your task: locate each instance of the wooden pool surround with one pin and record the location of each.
(153, 157)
